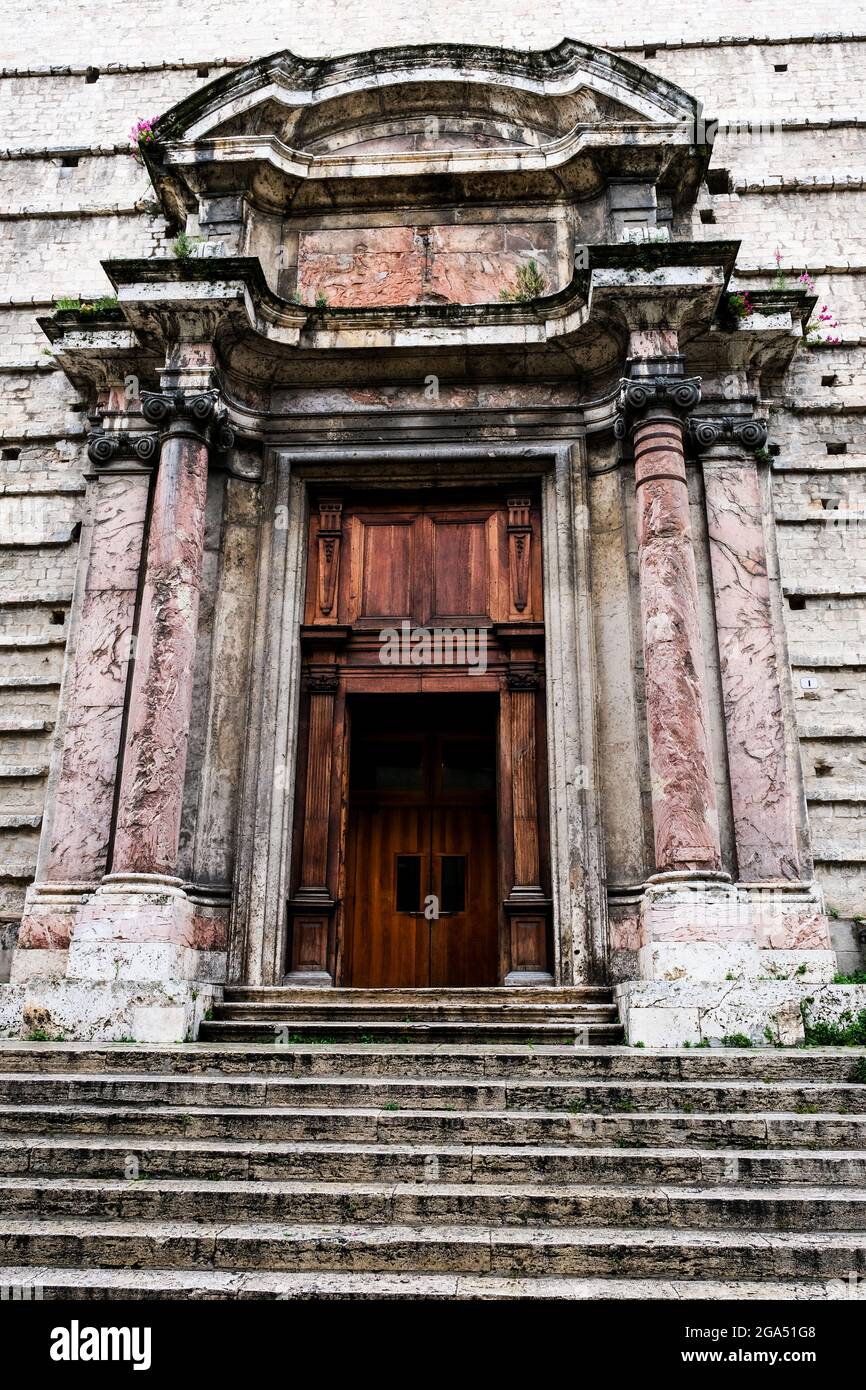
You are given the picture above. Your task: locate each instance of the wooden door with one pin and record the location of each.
(421, 895)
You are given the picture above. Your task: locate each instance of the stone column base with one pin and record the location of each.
(717, 959)
(138, 968)
(694, 1012)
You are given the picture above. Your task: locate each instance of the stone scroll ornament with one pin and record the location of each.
(108, 446)
(198, 412)
(675, 393)
(723, 429)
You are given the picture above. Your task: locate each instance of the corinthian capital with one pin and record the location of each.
(200, 413)
(723, 429)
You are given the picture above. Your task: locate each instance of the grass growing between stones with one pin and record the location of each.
(850, 1031)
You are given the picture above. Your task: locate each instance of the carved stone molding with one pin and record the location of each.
(675, 393)
(107, 446)
(199, 413)
(724, 429)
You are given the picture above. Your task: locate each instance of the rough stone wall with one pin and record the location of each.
(73, 83)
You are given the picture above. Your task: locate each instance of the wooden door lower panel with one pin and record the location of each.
(464, 946)
(390, 949)
(387, 949)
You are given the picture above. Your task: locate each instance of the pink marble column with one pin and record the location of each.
(73, 852)
(654, 400)
(762, 793)
(154, 763)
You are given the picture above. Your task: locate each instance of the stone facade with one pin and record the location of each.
(720, 600)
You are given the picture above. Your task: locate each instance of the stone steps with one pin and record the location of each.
(221, 1284)
(586, 1015)
(783, 1130)
(451, 1163)
(506, 998)
(441, 1093)
(429, 1060)
(589, 1031)
(581, 1252)
(421, 1203)
(450, 1170)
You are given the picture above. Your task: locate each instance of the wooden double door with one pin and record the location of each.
(420, 854)
(421, 881)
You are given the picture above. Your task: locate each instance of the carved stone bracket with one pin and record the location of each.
(199, 414)
(723, 429)
(107, 446)
(330, 540)
(519, 545)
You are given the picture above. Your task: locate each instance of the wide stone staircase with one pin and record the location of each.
(471, 1170)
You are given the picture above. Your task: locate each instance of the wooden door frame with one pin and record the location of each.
(263, 864)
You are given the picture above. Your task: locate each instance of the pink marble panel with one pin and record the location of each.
(761, 790)
(80, 822)
(462, 264)
(148, 824)
(118, 530)
(45, 931)
(84, 796)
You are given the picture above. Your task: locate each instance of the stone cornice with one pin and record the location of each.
(580, 332)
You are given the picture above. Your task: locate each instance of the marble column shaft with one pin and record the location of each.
(154, 763)
(685, 818)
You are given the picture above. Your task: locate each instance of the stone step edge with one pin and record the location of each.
(404, 1149)
(344, 1234)
(776, 1117)
(487, 1080)
(226, 1284)
(741, 1193)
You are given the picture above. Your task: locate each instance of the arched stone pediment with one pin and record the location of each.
(289, 131)
(311, 104)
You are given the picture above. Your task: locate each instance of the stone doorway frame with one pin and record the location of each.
(258, 930)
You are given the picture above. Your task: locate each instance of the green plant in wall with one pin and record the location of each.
(183, 246)
(86, 306)
(850, 1031)
(529, 283)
